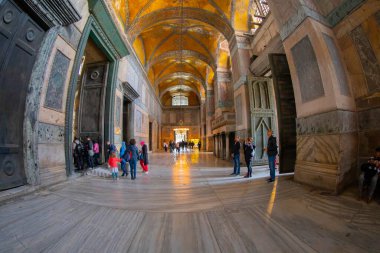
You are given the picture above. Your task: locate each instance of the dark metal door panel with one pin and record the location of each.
(20, 39)
(286, 109)
(91, 121)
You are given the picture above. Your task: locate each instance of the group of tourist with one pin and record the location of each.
(249, 155)
(178, 146)
(129, 153)
(86, 155)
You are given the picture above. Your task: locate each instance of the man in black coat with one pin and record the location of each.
(271, 150)
(236, 156)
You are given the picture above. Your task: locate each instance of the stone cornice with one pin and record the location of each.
(54, 12)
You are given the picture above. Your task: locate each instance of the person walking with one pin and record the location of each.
(165, 147)
(271, 150)
(124, 158)
(112, 162)
(236, 156)
(249, 154)
(134, 157)
(144, 157)
(109, 149)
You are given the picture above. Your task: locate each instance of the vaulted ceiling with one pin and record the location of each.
(178, 41)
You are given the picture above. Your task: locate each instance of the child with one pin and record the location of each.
(112, 162)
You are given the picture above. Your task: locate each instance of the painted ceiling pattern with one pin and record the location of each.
(179, 41)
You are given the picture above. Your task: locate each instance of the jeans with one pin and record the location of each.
(90, 161)
(124, 167)
(371, 187)
(132, 165)
(236, 164)
(272, 166)
(249, 166)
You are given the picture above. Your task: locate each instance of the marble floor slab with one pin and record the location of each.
(188, 203)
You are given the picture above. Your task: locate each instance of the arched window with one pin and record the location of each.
(180, 100)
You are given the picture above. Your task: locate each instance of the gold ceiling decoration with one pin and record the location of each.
(178, 40)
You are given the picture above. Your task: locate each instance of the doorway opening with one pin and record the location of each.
(150, 136)
(126, 119)
(180, 134)
(89, 101)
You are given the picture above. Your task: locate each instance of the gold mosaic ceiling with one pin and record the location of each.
(177, 41)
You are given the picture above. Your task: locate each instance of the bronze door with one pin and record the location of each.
(92, 102)
(286, 109)
(20, 40)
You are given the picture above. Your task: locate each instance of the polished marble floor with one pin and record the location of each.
(188, 203)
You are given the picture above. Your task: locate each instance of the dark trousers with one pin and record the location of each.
(249, 166)
(236, 164)
(133, 165)
(272, 166)
(124, 168)
(90, 161)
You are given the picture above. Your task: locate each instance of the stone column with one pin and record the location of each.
(326, 118)
(227, 146)
(240, 55)
(223, 92)
(210, 111)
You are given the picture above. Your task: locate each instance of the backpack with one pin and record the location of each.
(127, 156)
(79, 149)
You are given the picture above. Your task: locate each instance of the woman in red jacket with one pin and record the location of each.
(112, 161)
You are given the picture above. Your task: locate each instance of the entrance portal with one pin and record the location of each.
(180, 134)
(89, 104)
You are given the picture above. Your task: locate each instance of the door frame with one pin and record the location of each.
(94, 31)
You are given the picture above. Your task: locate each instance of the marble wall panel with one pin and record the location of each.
(338, 65)
(117, 112)
(318, 149)
(57, 81)
(308, 72)
(51, 155)
(369, 119)
(238, 108)
(48, 133)
(138, 121)
(370, 64)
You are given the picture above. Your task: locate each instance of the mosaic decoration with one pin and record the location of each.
(57, 80)
(371, 66)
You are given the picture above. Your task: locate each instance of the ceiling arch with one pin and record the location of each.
(181, 75)
(178, 41)
(187, 13)
(176, 54)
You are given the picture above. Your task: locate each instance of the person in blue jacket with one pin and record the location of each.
(134, 156)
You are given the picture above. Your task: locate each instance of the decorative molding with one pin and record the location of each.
(243, 80)
(129, 92)
(338, 14)
(101, 13)
(334, 122)
(292, 24)
(54, 12)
